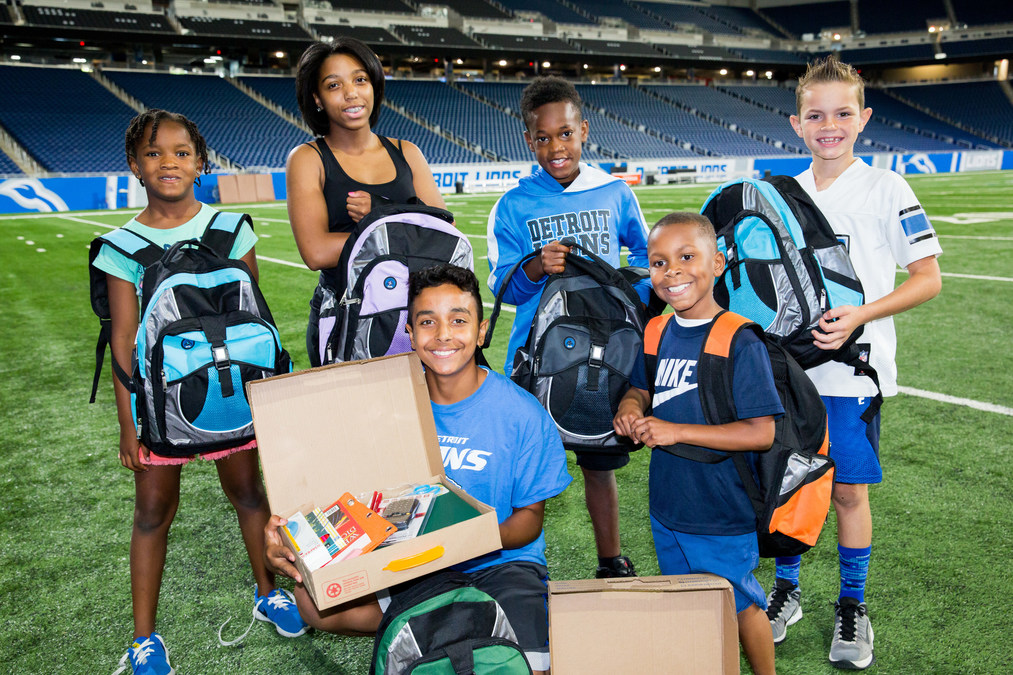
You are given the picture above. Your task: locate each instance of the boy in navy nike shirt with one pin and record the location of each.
(565, 198)
(701, 516)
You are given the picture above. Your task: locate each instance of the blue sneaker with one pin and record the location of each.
(148, 656)
(278, 608)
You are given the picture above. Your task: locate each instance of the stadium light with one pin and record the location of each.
(769, 74)
(932, 29)
(657, 69)
(622, 67)
(585, 66)
(459, 62)
(78, 59)
(837, 36)
(750, 73)
(546, 64)
(502, 62)
(279, 55)
(15, 57)
(723, 71)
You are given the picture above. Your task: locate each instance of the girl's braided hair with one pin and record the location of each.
(154, 117)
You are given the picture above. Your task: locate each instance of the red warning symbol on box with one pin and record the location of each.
(333, 590)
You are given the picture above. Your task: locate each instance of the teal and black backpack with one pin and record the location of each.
(443, 625)
(205, 331)
(784, 268)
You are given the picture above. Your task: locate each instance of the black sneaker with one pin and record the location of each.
(620, 566)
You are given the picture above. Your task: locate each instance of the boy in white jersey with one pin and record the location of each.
(877, 216)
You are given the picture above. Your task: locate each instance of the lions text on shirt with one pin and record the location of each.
(597, 210)
(504, 450)
(877, 216)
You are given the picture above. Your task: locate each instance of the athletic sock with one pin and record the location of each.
(788, 567)
(854, 571)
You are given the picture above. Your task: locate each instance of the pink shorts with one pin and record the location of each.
(159, 460)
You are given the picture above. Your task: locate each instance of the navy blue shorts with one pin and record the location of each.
(854, 445)
(733, 557)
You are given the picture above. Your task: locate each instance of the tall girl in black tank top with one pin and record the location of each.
(333, 181)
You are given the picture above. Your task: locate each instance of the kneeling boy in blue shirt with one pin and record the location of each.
(701, 516)
(516, 462)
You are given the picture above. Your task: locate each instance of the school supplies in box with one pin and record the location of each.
(412, 527)
(358, 529)
(386, 409)
(306, 542)
(448, 509)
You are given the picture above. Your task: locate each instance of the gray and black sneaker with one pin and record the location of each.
(783, 608)
(851, 647)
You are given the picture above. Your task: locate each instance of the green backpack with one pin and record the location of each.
(443, 625)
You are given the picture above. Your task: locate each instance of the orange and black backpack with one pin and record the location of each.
(790, 489)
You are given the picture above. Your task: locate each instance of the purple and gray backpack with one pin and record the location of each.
(364, 308)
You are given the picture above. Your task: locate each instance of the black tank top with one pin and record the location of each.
(337, 184)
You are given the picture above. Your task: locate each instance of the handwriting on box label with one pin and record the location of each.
(357, 581)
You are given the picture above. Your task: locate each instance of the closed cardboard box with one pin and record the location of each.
(358, 427)
(666, 624)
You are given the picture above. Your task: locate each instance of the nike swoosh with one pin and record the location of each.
(671, 393)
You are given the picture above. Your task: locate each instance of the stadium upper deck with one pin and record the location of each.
(465, 63)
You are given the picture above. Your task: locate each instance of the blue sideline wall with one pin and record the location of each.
(22, 194)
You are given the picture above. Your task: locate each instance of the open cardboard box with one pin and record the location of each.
(666, 624)
(359, 427)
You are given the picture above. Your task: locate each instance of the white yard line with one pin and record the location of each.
(90, 222)
(971, 236)
(955, 400)
(977, 277)
(286, 263)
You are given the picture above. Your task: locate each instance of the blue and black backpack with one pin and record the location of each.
(205, 331)
(583, 344)
(784, 268)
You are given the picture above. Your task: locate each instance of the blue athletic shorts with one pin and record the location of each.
(733, 557)
(854, 445)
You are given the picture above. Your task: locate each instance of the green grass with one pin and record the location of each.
(939, 585)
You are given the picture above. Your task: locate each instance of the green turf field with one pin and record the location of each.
(940, 585)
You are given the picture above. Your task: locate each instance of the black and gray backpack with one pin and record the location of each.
(363, 302)
(205, 331)
(585, 337)
(443, 625)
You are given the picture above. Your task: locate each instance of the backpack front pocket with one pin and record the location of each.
(199, 394)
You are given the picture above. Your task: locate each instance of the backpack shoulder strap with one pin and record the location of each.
(223, 229)
(716, 367)
(714, 370)
(130, 245)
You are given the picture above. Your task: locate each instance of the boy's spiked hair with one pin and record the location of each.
(703, 224)
(307, 76)
(544, 90)
(154, 117)
(829, 69)
(438, 275)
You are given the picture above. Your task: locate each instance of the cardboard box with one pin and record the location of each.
(668, 624)
(358, 427)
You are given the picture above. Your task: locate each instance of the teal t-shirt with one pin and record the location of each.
(113, 262)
